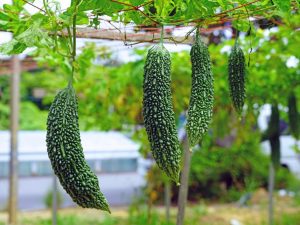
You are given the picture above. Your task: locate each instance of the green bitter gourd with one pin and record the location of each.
(158, 111)
(274, 135)
(66, 153)
(236, 78)
(202, 93)
(293, 115)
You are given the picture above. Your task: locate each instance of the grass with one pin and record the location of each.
(156, 219)
(286, 213)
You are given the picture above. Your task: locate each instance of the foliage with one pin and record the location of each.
(46, 29)
(202, 214)
(49, 198)
(31, 118)
(217, 170)
(115, 93)
(34, 30)
(71, 220)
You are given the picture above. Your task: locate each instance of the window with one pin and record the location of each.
(43, 168)
(25, 168)
(119, 165)
(4, 169)
(91, 164)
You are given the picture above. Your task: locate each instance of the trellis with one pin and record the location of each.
(121, 32)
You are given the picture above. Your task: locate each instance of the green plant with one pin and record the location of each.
(48, 199)
(158, 112)
(290, 219)
(73, 219)
(225, 173)
(236, 71)
(66, 154)
(202, 93)
(142, 217)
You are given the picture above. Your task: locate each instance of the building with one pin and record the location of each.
(290, 158)
(111, 155)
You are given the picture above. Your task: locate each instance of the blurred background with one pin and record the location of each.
(228, 181)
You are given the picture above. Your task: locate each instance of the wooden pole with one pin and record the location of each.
(167, 199)
(184, 182)
(54, 201)
(271, 190)
(103, 34)
(14, 126)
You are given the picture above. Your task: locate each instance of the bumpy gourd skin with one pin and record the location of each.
(236, 70)
(293, 116)
(158, 111)
(66, 153)
(202, 93)
(274, 135)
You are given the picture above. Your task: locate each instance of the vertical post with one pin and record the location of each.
(14, 126)
(184, 180)
(271, 189)
(167, 199)
(54, 201)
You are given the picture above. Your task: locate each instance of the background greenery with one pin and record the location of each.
(229, 162)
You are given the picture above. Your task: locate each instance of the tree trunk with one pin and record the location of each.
(14, 126)
(271, 189)
(167, 200)
(54, 201)
(184, 180)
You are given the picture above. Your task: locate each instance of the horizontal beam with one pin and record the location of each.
(129, 38)
(27, 64)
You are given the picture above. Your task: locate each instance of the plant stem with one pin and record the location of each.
(54, 201)
(184, 180)
(73, 50)
(46, 8)
(162, 34)
(271, 189)
(167, 199)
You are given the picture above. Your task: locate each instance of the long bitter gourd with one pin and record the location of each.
(274, 135)
(236, 71)
(66, 154)
(202, 93)
(158, 112)
(293, 115)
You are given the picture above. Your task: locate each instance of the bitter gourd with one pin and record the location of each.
(159, 118)
(201, 101)
(66, 153)
(293, 115)
(274, 135)
(236, 78)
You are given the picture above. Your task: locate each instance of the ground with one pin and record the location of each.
(287, 212)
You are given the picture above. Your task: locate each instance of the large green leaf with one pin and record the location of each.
(102, 6)
(283, 5)
(12, 47)
(34, 36)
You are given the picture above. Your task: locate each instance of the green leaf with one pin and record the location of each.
(4, 16)
(283, 5)
(103, 6)
(136, 2)
(82, 19)
(34, 36)
(12, 47)
(265, 2)
(241, 25)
